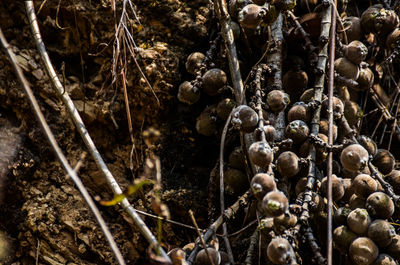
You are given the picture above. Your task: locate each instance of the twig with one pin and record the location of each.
(330, 131)
(63, 160)
(85, 134)
(228, 214)
(303, 33)
(201, 238)
(221, 187)
(388, 188)
(243, 229)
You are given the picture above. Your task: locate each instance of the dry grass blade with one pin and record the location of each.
(63, 160)
(145, 231)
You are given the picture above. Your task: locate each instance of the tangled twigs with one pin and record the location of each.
(229, 213)
(85, 134)
(63, 160)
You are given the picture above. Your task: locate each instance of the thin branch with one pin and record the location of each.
(61, 157)
(145, 231)
(252, 247)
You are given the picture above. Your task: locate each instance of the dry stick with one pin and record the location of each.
(201, 238)
(274, 61)
(303, 33)
(63, 160)
(221, 186)
(145, 231)
(330, 130)
(228, 214)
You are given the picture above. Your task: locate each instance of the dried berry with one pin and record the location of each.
(381, 232)
(352, 112)
(337, 187)
(384, 161)
(348, 189)
(394, 248)
(275, 203)
(324, 129)
(394, 179)
(251, 16)
(358, 221)
(342, 238)
(279, 251)
(355, 51)
(356, 202)
(341, 214)
(392, 41)
(207, 122)
(261, 154)
(385, 259)
(368, 144)
(225, 107)
(236, 158)
(354, 158)
(245, 119)
(379, 205)
(284, 221)
(346, 68)
(299, 111)
(269, 131)
(213, 81)
(288, 164)
(363, 185)
(297, 131)
(188, 93)
(202, 257)
(363, 251)
(353, 28)
(194, 61)
(295, 82)
(365, 79)
(236, 5)
(277, 100)
(261, 184)
(338, 108)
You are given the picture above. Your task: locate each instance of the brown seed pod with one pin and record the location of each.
(297, 131)
(384, 161)
(202, 257)
(394, 248)
(277, 100)
(225, 107)
(244, 118)
(343, 93)
(385, 259)
(368, 18)
(261, 184)
(251, 16)
(393, 39)
(279, 251)
(355, 51)
(358, 221)
(308, 95)
(213, 80)
(261, 154)
(365, 79)
(323, 128)
(363, 185)
(236, 5)
(282, 222)
(346, 68)
(294, 82)
(337, 187)
(188, 93)
(352, 112)
(363, 251)
(177, 256)
(368, 144)
(342, 238)
(270, 133)
(275, 203)
(348, 189)
(356, 202)
(394, 179)
(207, 122)
(288, 164)
(381, 232)
(235, 181)
(338, 108)
(194, 61)
(341, 214)
(354, 157)
(353, 26)
(379, 205)
(299, 111)
(236, 158)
